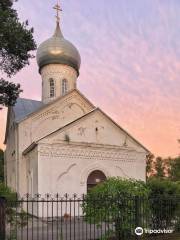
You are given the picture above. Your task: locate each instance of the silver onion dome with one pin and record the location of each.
(58, 50)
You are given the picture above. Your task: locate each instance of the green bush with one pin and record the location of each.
(7, 193)
(10, 199)
(163, 187)
(15, 215)
(164, 202)
(115, 202)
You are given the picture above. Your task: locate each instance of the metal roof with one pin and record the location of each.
(58, 50)
(24, 107)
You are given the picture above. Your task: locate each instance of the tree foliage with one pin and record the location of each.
(165, 187)
(149, 165)
(16, 40)
(7, 193)
(16, 44)
(9, 93)
(15, 216)
(174, 169)
(164, 202)
(159, 167)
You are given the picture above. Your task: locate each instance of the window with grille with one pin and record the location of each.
(64, 86)
(52, 87)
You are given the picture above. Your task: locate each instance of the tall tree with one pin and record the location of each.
(159, 166)
(16, 42)
(149, 165)
(174, 169)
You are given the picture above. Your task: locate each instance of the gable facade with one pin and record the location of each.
(97, 128)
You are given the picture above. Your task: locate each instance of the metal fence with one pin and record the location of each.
(70, 218)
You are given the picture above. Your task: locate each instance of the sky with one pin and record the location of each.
(130, 51)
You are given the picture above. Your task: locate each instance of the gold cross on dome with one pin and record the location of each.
(58, 10)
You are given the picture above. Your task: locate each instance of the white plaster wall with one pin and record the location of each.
(32, 169)
(58, 72)
(49, 119)
(65, 168)
(10, 156)
(95, 128)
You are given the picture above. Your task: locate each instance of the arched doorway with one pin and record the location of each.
(95, 178)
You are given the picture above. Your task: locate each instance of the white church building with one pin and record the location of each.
(65, 144)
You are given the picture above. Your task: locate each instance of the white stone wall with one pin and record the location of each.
(11, 154)
(58, 72)
(51, 118)
(42, 123)
(95, 143)
(65, 167)
(95, 128)
(67, 164)
(32, 172)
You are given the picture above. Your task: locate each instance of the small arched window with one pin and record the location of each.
(96, 177)
(64, 86)
(52, 87)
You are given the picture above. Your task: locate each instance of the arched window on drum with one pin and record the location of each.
(51, 87)
(64, 86)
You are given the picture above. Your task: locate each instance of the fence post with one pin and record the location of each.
(2, 218)
(137, 213)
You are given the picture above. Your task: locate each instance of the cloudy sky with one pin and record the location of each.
(130, 52)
